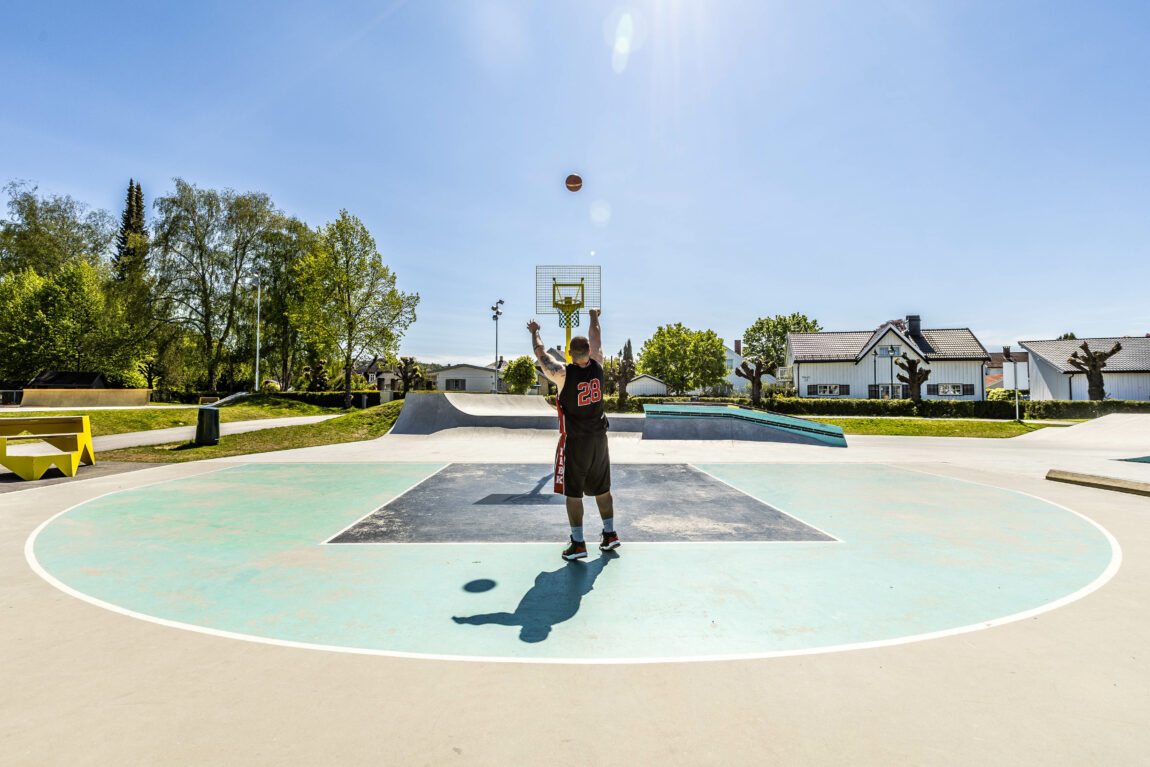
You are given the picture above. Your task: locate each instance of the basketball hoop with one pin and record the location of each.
(564, 290)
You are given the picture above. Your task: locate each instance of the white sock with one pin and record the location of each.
(577, 534)
(609, 525)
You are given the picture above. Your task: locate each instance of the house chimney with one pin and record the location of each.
(739, 346)
(913, 324)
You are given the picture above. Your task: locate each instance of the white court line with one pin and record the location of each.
(377, 508)
(834, 539)
(1110, 571)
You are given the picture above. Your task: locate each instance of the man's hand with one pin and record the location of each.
(594, 313)
(532, 327)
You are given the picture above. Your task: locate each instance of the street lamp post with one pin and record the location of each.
(256, 280)
(1009, 357)
(890, 353)
(495, 316)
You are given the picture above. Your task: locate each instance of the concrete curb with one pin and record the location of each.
(1102, 483)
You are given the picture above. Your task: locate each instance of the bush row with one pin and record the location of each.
(934, 408)
(331, 398)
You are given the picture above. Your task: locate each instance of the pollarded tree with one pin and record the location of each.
(520, 374)
(765, 347)
(1091, 363)
(623, 372)
(349, 301)
(914, 375)
(409, 373)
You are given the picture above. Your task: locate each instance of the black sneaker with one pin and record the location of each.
(577, 550)
(610, 541)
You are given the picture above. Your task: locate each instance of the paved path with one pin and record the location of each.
(175, 434)
(23, 410)
(184, 433)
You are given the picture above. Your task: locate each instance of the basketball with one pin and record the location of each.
(574, 183)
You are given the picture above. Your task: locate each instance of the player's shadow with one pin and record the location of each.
(554, 598)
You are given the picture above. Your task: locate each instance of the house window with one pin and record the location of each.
(950, 390)
(828, 390)
(371, 377)
(890, 351)
(455, 384)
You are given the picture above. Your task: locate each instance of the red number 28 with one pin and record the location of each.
(589, 392)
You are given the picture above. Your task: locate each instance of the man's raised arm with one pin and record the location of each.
(594, 337)
(552, 368)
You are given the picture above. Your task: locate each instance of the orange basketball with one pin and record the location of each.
(574, 183)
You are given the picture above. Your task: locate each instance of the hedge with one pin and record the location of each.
(932, 408)
(331, 398)
(1066, 409)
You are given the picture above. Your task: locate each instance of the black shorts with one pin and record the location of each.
(582, 465)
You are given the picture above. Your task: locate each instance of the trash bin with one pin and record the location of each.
(208, 426)
(363, 402)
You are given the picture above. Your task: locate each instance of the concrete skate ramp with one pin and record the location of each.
(429, 412)
(703, 422)
(1127, 432)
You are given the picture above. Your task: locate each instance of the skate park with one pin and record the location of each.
(942, 582)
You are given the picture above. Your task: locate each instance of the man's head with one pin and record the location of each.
(580, 350)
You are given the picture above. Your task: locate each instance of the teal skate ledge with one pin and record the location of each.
(699, 421)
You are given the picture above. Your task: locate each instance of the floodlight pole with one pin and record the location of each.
(497, 311)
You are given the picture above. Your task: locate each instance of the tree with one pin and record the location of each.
(44, 233)
(409, 373)
(285, 244)
(1068, 337)
(765, 347)
(130, 261)
(315, 372)
(520, 374)
(684, 359)
(623, 372)
(208, 242)
(63, 322)
(914, 376)
(1091, 363)
(349, 302)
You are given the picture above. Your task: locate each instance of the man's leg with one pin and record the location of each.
(606, 506)
(575, 511)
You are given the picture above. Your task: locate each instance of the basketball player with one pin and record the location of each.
(582, 464)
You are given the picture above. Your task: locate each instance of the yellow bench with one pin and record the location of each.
(71, 435)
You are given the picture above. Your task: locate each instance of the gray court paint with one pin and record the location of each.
(653, 502)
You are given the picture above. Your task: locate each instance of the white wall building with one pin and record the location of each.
(860, 364)
(1126, 375)
(646, 386)
(474, 378)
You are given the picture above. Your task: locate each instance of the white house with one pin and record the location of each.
(860, 364)
(741, 386)
(646, 386)
(465, 378)
(1126, 375)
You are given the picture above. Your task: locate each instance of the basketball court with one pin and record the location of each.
(402, 601)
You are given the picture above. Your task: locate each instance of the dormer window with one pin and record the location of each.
(892, 350)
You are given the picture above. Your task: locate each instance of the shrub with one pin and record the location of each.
(270, 387)
(331, 398)
(1055, 409)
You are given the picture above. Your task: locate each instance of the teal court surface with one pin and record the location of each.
(461, 560)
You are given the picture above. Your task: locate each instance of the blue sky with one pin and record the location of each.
(983, 164)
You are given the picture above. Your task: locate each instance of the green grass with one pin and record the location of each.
(105, 422)
(355, 426)
(933, 427)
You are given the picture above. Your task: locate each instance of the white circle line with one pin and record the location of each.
(1110, 571)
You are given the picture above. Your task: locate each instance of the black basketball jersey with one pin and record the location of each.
(582, 399)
